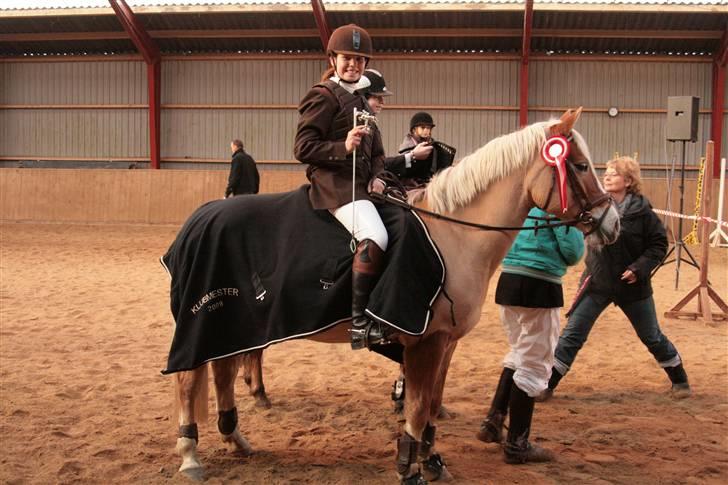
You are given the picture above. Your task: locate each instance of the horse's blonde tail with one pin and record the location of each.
(201, 397)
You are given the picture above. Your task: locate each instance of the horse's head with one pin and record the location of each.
(564, 170)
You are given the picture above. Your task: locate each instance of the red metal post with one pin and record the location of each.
(716, 119)
(148, 49)
(154, 75)
(319, 14)
(525, 53)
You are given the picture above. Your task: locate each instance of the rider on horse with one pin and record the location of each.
(326, 140)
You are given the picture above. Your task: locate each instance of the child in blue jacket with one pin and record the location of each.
(530, 296)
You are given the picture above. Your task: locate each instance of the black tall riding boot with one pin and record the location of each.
(365, 272)
(491, 429)
(517, 448)
(679, 379)
(549, 391)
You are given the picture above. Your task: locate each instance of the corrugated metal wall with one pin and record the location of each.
(626, 85)
(269, 133)
(194, 125)
(84, 133)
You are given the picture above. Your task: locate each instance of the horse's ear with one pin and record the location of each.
(566, 122)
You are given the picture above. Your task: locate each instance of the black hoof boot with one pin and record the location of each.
(416, 479)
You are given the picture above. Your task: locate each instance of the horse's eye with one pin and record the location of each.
(582, 167)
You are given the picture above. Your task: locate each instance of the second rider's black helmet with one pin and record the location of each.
(377, 86)
(421, 119)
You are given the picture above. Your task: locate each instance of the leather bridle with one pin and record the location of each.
(577, 188)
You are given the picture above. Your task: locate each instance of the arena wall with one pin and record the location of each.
(89, 113)
(113, 196)
(86, 111)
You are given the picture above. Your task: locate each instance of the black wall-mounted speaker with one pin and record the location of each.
(682, 118)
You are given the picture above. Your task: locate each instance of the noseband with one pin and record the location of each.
(564, 169)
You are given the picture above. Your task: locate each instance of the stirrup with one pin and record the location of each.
(367, 335)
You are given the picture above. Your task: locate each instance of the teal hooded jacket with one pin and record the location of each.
(544, 254)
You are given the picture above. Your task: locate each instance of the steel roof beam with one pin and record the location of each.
(374, 32)
(525, 53)
(148, 49)
(319, 13)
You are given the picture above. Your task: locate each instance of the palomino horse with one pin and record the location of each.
(496, 185)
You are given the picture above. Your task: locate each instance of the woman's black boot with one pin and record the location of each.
(679, 378)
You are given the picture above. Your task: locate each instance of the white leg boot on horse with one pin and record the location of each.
(189, 387)
(517, 449)
(417, 460)
(491, 429)
(366, 267)
(225, 372)
(253, 376)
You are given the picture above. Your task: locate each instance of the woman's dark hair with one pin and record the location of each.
(238, 144)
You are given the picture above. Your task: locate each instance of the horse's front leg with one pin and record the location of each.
(433, 467)
(225, 371)
(253, 376)
(188, 389)
(422, 364)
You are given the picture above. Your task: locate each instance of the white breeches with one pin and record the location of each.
(364, 220)
(532, 334)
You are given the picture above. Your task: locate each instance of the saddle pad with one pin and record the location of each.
(254, 270)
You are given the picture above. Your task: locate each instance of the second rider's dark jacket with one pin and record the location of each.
(641, 246)
(326, 116)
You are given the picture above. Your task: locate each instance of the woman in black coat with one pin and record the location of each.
(620, 274)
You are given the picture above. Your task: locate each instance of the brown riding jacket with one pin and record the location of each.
(326, 116)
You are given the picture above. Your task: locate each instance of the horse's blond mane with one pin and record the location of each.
(458, 185)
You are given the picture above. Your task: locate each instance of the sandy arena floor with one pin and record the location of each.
(85, 327)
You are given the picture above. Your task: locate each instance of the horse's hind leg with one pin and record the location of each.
(253, 376)
(225, 371)
(189, 388)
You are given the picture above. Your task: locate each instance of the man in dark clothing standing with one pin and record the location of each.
(244, 177)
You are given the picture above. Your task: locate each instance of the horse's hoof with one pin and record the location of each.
(445, 413)
(445, 475)
(196, 474)
(434, 469)
(263, 402)
(238, 442)
(416, 479)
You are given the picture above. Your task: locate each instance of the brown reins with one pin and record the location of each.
(584, 217)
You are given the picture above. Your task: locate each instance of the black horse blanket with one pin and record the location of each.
(254, 270)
